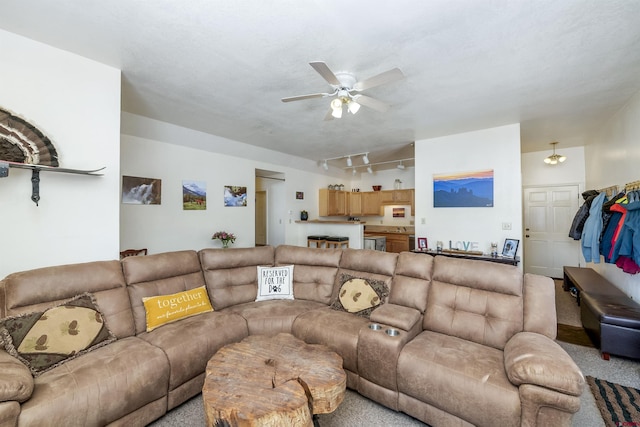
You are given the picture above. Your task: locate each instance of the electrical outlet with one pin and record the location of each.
(506, 226)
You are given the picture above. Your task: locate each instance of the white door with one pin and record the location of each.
(548, 214)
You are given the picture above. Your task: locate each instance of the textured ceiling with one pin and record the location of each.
(560, 68)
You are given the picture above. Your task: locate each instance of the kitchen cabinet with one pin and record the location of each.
(396, 242)
(398, 197)
(355, 203)
(371, 203)
(332, 202)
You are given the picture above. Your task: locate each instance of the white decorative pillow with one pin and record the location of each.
(275, 283)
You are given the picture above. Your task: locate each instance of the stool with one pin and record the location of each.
(318, 240)
(337, 242)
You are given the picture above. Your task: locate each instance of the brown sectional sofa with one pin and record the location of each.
(475, 343)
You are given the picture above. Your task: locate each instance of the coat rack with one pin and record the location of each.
(35, 174)
(632, 186)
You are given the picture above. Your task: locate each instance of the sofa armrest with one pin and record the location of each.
(16, 381)
(398, 316)
(531, 358)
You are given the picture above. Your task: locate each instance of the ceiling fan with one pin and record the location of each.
(345, 89)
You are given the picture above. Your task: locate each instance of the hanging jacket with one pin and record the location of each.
(575, 232)
(606, 240)
(628, 242)
(592, 230)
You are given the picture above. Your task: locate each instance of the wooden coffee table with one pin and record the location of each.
(272, 381)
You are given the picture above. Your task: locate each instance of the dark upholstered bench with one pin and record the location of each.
(589, 281)
(612, 323)
(608, 315)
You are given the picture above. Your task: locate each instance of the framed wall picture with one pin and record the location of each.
(235, 195)
(141, 191)
(510, 248)
(463, 189)
(422, 243)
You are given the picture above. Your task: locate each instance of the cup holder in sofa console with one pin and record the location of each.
(392, 332)
(375, 326)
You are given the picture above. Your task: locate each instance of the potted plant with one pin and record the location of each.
(224, 237)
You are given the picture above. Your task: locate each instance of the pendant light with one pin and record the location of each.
(554, 159)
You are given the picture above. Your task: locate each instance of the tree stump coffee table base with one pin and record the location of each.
(272, 381)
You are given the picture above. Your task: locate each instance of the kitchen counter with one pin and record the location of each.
(388, 229)
(320, 221)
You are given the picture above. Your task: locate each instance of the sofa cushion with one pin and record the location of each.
(231, 275)
(165, 309)
(159, 274)
(475, 300)
(275, 283)
(272, 317)
(100, 387)
(360, 296)
(337, 330)
(42, 288)
(460, 377)
(205, 333)
(315, 271)
(44, 340)
(411, 280)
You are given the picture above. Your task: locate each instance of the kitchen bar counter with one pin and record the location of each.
(354, 230)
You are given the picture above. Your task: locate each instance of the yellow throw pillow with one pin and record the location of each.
(165, 309)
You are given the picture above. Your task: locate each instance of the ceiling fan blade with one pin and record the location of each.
(329, 116)
(367, 101)
(325, 72)
(301, 97)
(380, 79)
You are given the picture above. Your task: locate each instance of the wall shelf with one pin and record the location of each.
(35, 174)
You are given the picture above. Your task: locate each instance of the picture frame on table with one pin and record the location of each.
(422, 243)
(510, 248)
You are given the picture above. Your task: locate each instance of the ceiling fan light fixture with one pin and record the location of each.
(337, 113)
(353, 107)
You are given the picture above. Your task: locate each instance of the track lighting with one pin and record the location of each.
(369, 169)
(400, 166)
(365, 158)
(325, 165)
(354, 172)
(554, 158)
(349, 162)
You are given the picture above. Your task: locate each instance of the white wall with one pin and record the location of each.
(535, 172)
(168, 227)
(495, 148)
(612, 158)
(76, 103)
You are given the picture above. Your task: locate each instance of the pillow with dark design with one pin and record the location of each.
(44, 340)
(360, 296)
